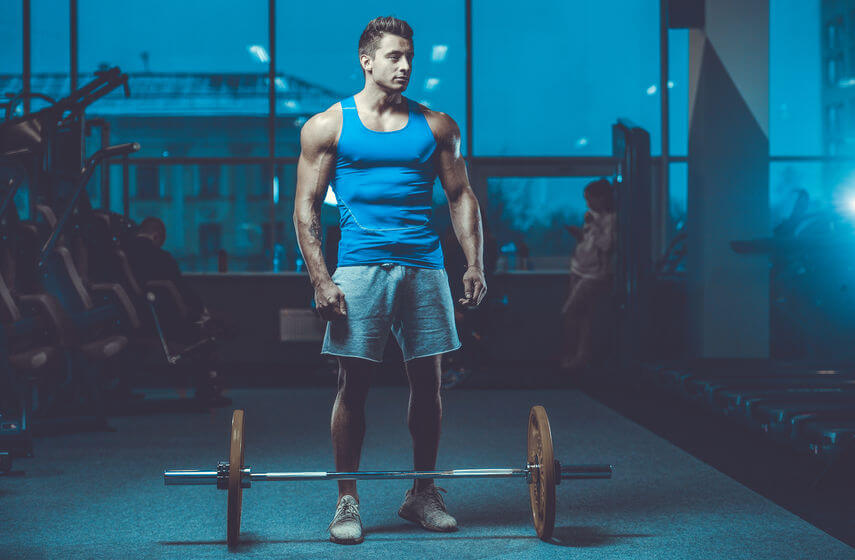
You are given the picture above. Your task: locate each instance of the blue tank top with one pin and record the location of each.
(383, 185)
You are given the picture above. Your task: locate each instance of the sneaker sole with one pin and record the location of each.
(423, 525)
(346, 541)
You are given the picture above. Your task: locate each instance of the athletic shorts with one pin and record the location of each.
(413, 303)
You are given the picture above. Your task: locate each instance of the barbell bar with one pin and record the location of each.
(542, 472)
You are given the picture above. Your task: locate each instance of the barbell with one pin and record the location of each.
(542, 472)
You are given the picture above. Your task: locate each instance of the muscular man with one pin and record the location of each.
(381, 153)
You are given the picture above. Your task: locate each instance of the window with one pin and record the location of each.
(530, 215)
(49, 38)
(553, 76)
(796, 77)
(197, 76)
(832, 70)
(209, 181)
(11, 55)
(678, 198)
(678, 94)
(148, 182)
(328, 65)
(833, 32)
(209, 239)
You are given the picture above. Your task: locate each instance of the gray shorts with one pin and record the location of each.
(413, 303)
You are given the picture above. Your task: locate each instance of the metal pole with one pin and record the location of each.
(126, 188)
(469, 126)
(662, 214)
(73, 47)
(192, 477)
(26, 62)
(271, 123)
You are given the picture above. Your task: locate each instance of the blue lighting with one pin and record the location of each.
(275, 189)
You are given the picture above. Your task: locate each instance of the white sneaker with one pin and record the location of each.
(428, 510)
(346, 526)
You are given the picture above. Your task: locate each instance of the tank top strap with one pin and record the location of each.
(348, 108)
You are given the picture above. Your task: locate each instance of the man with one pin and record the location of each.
(382, 152)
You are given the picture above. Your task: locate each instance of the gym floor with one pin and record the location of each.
(101, 495)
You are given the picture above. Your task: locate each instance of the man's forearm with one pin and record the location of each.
(466, 220)
(309, 235)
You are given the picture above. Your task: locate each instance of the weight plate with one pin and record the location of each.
(541, 462)
(235, 469)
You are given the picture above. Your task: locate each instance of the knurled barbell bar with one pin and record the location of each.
(542, 472)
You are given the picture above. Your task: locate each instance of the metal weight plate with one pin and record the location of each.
(541, 462)
(235, 469)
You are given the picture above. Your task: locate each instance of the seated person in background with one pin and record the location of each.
(149, 261)
(591, 274)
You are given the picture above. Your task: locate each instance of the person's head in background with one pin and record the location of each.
(600, 196)
(153, 229)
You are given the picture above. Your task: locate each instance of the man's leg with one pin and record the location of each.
(423, 504)
(424, 414)
(348, 418)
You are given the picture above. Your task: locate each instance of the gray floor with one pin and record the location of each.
(102, 496)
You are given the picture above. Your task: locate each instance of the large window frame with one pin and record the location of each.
(480, 167)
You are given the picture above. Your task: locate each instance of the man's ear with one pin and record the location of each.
(366, 62)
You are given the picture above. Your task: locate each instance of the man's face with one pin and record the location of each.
(392, 63)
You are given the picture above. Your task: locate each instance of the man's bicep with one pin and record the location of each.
(451, 169)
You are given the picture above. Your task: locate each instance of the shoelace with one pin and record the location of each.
(347, 512)
(435, 498)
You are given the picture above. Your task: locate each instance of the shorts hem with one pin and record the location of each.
(351, 356)
(458, 347)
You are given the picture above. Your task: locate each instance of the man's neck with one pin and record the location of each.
(376, 100)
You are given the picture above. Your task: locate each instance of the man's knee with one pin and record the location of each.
(424, 375)
(354, 378)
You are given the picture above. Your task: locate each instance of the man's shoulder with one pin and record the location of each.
(323, 127)
(441, 124)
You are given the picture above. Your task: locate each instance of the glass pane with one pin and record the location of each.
(678, 95)
(678, 198)
(329, 65)
(50, 40)
(795, 78)
(551, 79)
(811, 303)
(787, 180)
(205, 208)
(531, 215)
(11, 55)
(197, 89)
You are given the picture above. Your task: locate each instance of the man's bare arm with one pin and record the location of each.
(462, 203)
(314, 169)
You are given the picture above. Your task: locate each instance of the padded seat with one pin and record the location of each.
(737, 401)
(828, 437)
(708, 391)
(33, 360)
(783, 420)
(104, 348)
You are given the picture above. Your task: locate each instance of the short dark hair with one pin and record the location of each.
(603, 192)
(154, 226)
(369, 41)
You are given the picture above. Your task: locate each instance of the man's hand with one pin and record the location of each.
(474, 287)
(329, 301)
